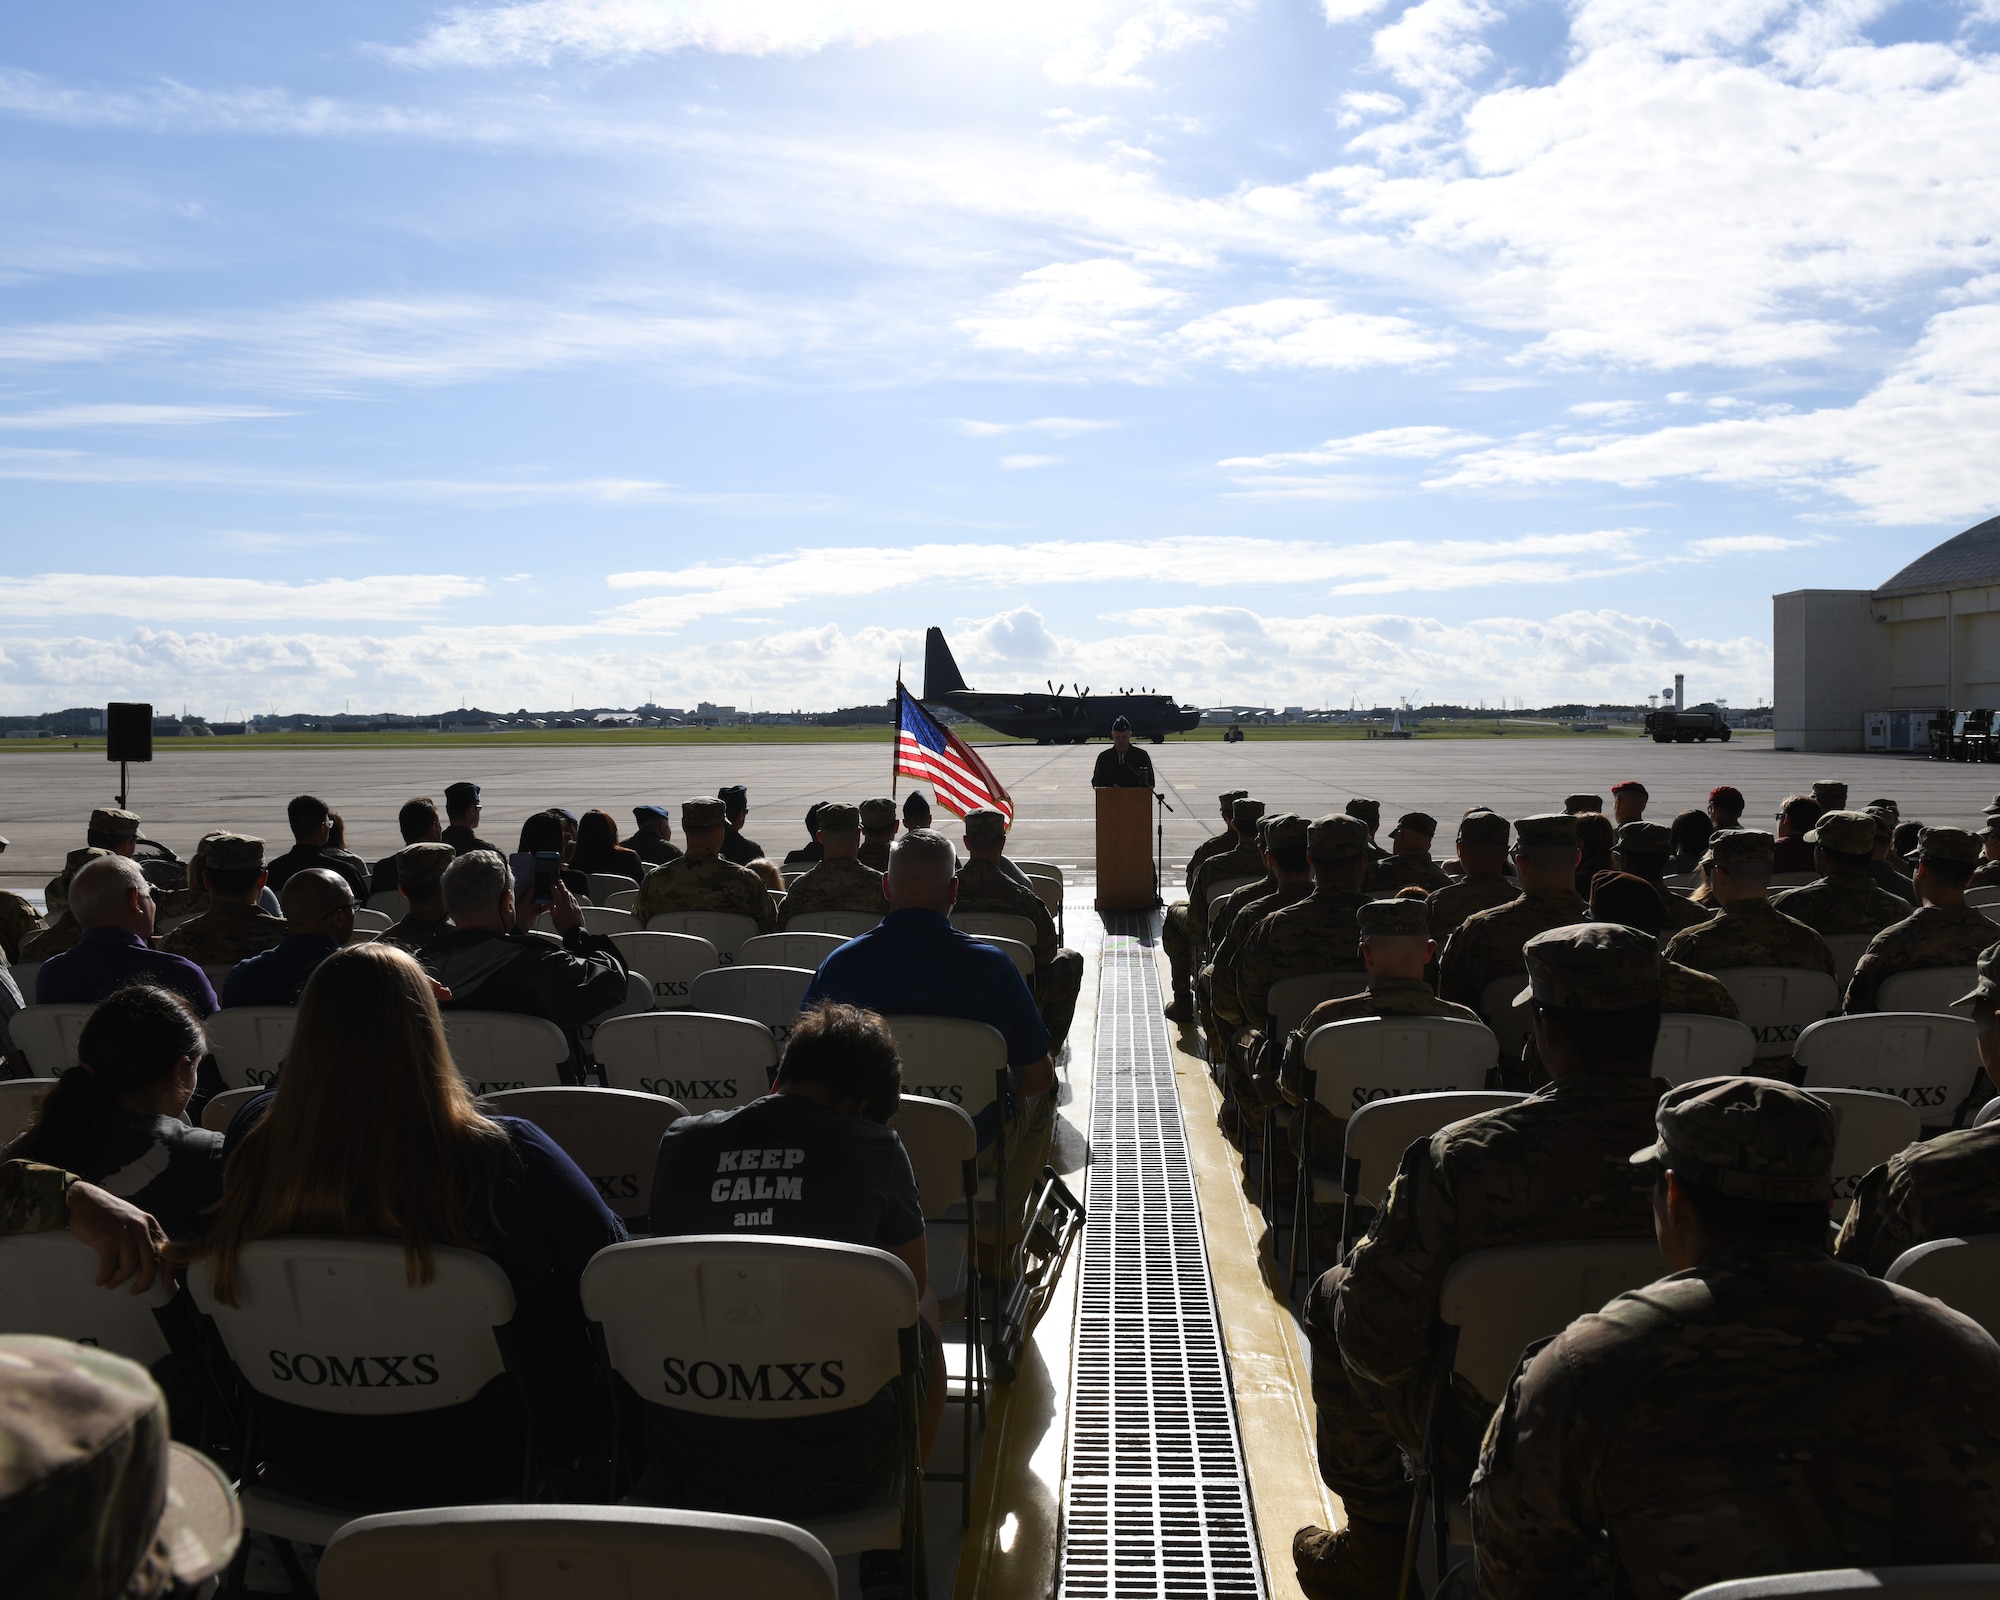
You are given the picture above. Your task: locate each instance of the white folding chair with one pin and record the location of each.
(1987, 1112)
(613, 1135)
(1379, 1133)
(334, 1326)
(218, 974)
(1039, 869)
(1219, 891)
(391, 903)
(222, 1108)
(770, 995)
(1928, 1059)
(726, 930)
(368, 920)
(843, 924)
(1015, 951)
(726, 1326)
(1847, 950)
(1049, 890)
(1289, 1003)
(47, 1035)
(621, 899)
(1963, 1273)
(1682, 880)
(1511, 1023)
(496, 1050)
(1927, 989)
(1777, 1004)
(23, 974)
(20, 1104)
(706, 1062)
(48, 1285)
(1958, 1582)
(1000, 924)
(626, 1552)
(1980, 898)
(1352, 1064)
(1869, 1128)
(943, 1148)
(603, 885)
(791, 948)
(1693, 1045)
(1793, 880)
(249, 1043)
(670, 962)
(596, 919)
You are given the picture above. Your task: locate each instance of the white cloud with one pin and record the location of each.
(1747, 544)
(132, 416)
(1026, 463)
(1073, 306)
(1053, 427)
(1309, 334)
(169, 598)
(1419, 443)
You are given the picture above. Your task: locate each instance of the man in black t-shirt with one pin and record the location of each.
(813, 1159)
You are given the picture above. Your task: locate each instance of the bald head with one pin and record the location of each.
(921, 873)
(318, 902)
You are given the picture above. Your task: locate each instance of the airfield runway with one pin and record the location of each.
(46, 795)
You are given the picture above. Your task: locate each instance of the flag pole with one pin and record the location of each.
(896, 734)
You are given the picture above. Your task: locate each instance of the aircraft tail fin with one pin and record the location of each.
(941, 674)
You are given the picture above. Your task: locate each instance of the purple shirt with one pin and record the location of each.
(105, 959)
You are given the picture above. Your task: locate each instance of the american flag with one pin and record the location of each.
(926, 749)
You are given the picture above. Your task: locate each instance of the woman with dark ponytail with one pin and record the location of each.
(118, 1118)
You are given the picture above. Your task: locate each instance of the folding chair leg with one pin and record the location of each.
(1302, 1191)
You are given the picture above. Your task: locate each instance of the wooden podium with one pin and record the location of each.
(1125, 850)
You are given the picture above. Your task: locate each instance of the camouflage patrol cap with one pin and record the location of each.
(1645, 839)
(1415, 822)
(837, 816)
(1895, 811)
(1577, 804)
(1749, 1138)
(1485, 827)
(96, 1502)
(1741, 847)
(1285, 832)
(1369, 811)
(1992, 825)
(1547, 831)
(421, 866)
(878, 813)
(734, 796)
(1988, 985)
(82, 856)
(3, 846)
(1229, 797)
(1993, 810)
(119, 824)
(236, 852)
(1949, 844)
(704, 812)
(986, 824)
(1245, 812)
(1830, 793)
(1592, 966)
(1394, 919)
(1336, 838)
(1846, 833)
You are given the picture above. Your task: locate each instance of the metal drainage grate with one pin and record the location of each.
(1155, 1499)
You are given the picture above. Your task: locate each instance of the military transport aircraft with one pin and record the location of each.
(1050, 717)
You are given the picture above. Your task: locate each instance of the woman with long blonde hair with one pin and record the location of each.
(371, 1133)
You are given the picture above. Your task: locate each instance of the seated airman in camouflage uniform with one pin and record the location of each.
(1829, 1420)
(1620, 897)
(701, 880)
(235, 927)
(1547, 1168)
(172, 907)
(1176, 937)
(1641, 849)
(1885, 866)
(420, 877)
(1409, 859)
(110, 833)
(1846, 899)
(1287, 881)
(879, 826)
(1942, 932)
(1747, 930)
(1243, 859)
(18, 921)
(984, 885)
(1830, 794)
(1369, 813)
(1482, 851)
(1987, 873)
(840, 881)
(1582, 805)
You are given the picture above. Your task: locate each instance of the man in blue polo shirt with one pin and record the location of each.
(113, 904)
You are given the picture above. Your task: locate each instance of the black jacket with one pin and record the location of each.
(567, 981)
(305, 857)
(1132, 770)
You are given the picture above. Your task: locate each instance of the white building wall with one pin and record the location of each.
(1827, 668)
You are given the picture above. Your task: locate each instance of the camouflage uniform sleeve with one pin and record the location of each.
(1388, 1300)
(1225, 988)
(33, 1198)
(1253, 975)
(1456, 970)
(1879, 1226)
(1535, 1531)
(1869, 972)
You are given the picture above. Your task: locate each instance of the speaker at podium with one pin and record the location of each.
(1125, 879)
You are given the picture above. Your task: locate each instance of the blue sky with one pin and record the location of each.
(1272, 350)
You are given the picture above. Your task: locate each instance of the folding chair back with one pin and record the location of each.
(1382, 1058)
(1048, 890)
(842, 924)
(706, 1062)
(603, 885)
(1929, 1059)
(369, 920)
(1292, 1000)
(1846, 950)
(596, 919)
(1979, 899)
(496, 1050)
(608, 1552)
(222, 1108)
(1963, 1273)
(726, 930)
(1000, 924)
(612, 1134)
(20, 1103)
(1793, 880)
(789, 949)
(1039, 869)
(1987, 1112)
(1221, 888)
(1501, 1301)
(47, 1035)
(621, 899)
(769, 995)
(1927, 989)
(48, 1285)
(334, 1325)
(670, 962)
(23, 974)
(391, 903)
(249, 1043)
(1869, 1128)
(1511, 1024)
(218, 975)
(950, 1058)
(1379, 1132)
(1777, 1004)
(1961, 1582)
(940, 1140)
(1015, 951)
(1692, 1045)
(1682, 880)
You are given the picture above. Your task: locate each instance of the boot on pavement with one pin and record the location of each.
(1181, 1011)
(1361, 1561)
